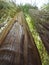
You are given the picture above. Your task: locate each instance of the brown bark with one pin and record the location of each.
(18, 47)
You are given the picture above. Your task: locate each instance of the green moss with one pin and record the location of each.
(43, 53)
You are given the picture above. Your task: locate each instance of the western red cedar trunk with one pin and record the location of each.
(18, 47)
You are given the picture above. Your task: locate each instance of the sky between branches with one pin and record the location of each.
(38, 3)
